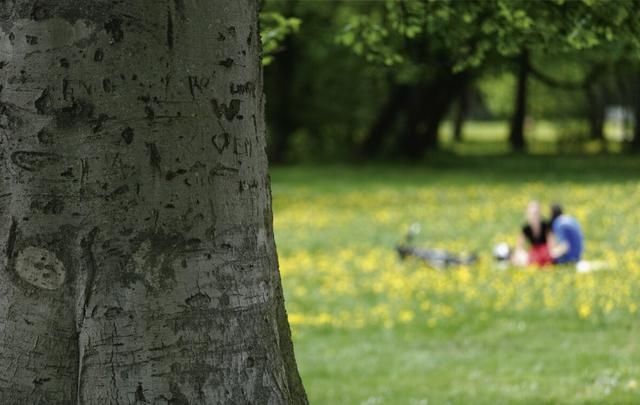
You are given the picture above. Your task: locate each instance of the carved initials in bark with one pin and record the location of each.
(242, 147)
(222, 170)
(34, 161)
(154, 155)
(246, 88)
(44, 103)
(127, 134)
(198, 83)
(228, 111)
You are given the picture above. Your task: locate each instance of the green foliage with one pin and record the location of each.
(275, 28)
(471, 31)
(553, 103)
(368, 39)
(331, 92)
(497, 93)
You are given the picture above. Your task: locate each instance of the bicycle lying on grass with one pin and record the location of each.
(436, 258)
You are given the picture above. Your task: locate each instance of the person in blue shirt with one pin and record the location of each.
(567, 241)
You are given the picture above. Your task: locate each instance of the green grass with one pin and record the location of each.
(336, 227)
(506, 360)
(543, 137)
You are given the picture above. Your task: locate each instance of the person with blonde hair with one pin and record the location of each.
(532, 247)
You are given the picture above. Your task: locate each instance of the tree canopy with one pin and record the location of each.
(408, 64)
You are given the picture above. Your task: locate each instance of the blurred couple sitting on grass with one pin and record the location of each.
(543, 242)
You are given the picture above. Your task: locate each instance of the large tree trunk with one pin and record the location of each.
(138, 262)
(516, 134)
(385, 120)
(428, 107)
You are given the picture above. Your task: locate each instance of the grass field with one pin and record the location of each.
(543, 137)
(370, 329)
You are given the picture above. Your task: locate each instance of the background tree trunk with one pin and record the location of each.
(635, 143)
(634, 83)
(139, 263)
(516, 134)
(428, 107)
(385, 120)
(596, 110)
(462, 109)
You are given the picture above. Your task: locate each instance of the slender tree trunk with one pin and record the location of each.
(596, 113)
(635, 143)
(412, 139)
(138, 262)
(516, 134)
(461, 113)
(635, 102)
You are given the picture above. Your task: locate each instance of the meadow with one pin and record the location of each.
(372, 329)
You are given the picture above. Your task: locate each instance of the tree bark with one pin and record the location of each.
(461, 113)
(428, 106)
(385, 120)
(635, 143)
(516, 134)
(138, 261)
(412, 142)
(596, 113)
(635, 102)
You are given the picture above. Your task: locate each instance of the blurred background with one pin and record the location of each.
(453, 115)
(351, 80)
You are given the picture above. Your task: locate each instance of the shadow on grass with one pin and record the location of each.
(475, 169)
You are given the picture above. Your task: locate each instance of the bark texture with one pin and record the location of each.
(138, 261)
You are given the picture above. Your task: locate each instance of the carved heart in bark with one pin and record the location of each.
(220, 142)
